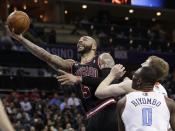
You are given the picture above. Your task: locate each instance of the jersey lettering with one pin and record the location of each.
(87, 71)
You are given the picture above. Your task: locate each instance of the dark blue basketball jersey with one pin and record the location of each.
(86, 93)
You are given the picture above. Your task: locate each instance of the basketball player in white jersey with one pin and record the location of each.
(106, 89)
(144, 109)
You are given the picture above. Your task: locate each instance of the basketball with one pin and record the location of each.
(18, 22)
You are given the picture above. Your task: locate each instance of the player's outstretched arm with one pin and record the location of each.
(54, 60)
(5, 124)
(105, 90)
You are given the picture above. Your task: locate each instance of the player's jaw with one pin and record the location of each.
(83, 47)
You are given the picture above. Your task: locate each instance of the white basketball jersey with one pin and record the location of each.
(160, 89)
(146, 111)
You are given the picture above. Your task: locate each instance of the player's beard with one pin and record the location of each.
(85, 50)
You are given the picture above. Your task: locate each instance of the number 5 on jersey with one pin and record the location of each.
(85, 91)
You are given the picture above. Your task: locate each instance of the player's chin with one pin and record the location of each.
(80, 50)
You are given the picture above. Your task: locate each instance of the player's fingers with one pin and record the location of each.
(62, 79)
(65, 82)
(123, 73)
(62, 72)
(117, 66)
(120, 66)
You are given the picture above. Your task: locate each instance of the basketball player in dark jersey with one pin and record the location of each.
(94, 107)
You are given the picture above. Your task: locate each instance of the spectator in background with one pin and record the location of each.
(64, 104)
(26, 105)
(73, 101)
(34, 95)
(55, 100)
(68, 127)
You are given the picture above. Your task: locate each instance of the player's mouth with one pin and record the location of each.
(79, 47)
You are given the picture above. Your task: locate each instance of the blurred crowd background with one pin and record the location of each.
(33, 99)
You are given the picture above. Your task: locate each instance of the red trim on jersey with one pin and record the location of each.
(100, 107)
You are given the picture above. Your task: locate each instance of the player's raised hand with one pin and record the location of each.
(117, 71)
(12, 34)
(67, 78)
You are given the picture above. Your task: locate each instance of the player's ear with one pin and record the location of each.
(94, 46)
(139, 82)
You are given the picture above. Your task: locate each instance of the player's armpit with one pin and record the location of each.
(106, 61)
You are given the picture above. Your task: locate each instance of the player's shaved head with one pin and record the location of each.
(94, 43)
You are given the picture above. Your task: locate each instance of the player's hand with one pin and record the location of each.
(117, 71)
(12, 34)
(67, 78)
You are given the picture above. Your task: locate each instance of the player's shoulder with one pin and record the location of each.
(170, 103)
(160, 88)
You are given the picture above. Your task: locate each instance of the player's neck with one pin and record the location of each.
(86, 57)
(146, 89)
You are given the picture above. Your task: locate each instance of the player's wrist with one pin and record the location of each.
(111, 76)
(79, 79)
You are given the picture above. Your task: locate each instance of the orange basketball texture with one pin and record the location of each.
(18, 22)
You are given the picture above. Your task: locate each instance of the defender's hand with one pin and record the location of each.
(117, 71)
(67, 78)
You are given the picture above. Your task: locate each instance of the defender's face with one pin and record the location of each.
(84, 44)
(146, 63)
(135, 78)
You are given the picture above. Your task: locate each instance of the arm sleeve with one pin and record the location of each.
(94, 82)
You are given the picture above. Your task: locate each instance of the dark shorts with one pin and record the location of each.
(104, 120)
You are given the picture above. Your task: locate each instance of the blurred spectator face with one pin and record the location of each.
(32, 128)
(60, 129)
(26, 99)
(73, 95)
(68, 125)
(55, 95)
(83, 128)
